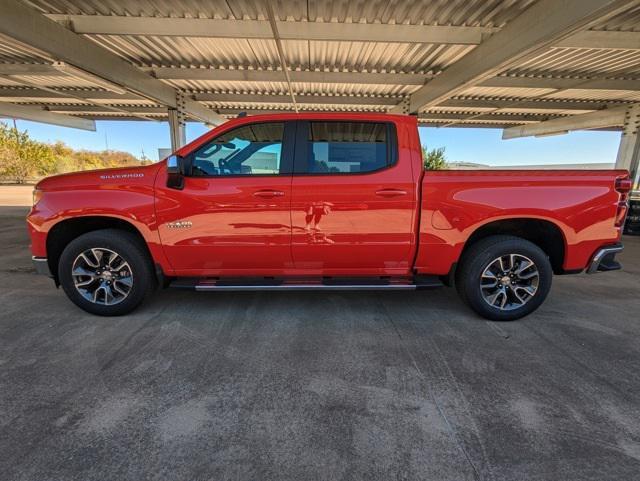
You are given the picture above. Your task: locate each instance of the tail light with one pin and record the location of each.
(623, 187)
(37, 195)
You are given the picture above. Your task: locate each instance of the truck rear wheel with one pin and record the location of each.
(106, 272)
(504, 278)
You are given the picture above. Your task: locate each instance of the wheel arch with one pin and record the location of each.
(542, 232)
(65, 231)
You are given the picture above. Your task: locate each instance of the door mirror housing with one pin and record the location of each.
(175, 172)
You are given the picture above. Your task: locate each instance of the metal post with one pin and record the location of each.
(629, 150)
(177, 124)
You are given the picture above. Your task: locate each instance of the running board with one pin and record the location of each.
(424, 282)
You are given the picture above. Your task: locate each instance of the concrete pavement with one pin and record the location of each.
(326, 386)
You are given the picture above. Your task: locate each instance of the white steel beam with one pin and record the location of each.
(458, 117)
(614, 117)
(261, 29)
(225, 75)
(557, 83)
(111, 98)
(544, 23)
(104, 109)
(603, 39)
(382, 78)
(61, 94)
(371, 78)
(425, 117)
(36, 114)
(301, 99)
(27, 26)
(29, 69)
(470, 103)
(322, 31)
(331, 102)
(498, 120)
(524, 104)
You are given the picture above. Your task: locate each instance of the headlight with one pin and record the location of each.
(37, 195)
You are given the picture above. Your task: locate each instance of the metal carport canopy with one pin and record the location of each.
(479, 63)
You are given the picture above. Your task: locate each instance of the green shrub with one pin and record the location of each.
(434, 159)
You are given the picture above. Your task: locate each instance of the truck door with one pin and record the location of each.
(233, 215)
(353, 200)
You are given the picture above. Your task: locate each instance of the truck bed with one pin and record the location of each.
(581, 205)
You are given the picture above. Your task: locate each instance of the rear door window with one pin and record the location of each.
(336, 147)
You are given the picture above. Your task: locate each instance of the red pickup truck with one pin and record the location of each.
(322, 201)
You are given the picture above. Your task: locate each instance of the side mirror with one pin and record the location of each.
(175, 172)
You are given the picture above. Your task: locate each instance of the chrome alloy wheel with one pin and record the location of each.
(509, 282)
(102, 276)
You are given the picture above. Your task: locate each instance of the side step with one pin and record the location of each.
(325, 284)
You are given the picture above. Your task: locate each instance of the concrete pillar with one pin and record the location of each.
(629, 150)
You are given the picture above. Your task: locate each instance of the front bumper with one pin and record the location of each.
(604, 259)
(41, 264)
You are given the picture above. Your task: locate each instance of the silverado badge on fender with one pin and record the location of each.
(122, 176)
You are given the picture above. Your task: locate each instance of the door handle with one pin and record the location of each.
(390, 192)
(268, 194)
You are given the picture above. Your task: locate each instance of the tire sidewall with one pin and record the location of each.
(125, 245)
(478, 261)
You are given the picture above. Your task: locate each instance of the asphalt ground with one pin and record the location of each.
(315, 385)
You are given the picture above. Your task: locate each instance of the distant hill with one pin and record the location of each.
(474, 166)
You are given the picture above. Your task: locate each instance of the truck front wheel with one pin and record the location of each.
(504, 278)
(106, 272)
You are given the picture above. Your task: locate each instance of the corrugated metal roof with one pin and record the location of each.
(13, 52)
(150, 51)
(365, 58)
(486, 13)
(627, 21)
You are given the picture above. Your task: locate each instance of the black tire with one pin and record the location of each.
(481, 255)
(130, 249)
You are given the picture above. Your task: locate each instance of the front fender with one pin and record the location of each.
(133, 204)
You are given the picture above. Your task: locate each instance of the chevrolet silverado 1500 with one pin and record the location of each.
(322, 201)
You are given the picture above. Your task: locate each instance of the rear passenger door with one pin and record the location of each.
(353, 202)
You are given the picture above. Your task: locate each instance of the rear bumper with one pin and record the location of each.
(632, 223)
(41, 264)
(604, 259)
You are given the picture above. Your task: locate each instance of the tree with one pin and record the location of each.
(434, 159)
(22, 157)
(12, 167)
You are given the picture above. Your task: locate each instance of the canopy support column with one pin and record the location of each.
(629, 150)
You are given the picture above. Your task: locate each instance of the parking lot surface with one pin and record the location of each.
(317, 386)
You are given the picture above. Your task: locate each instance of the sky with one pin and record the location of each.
(483, 146)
